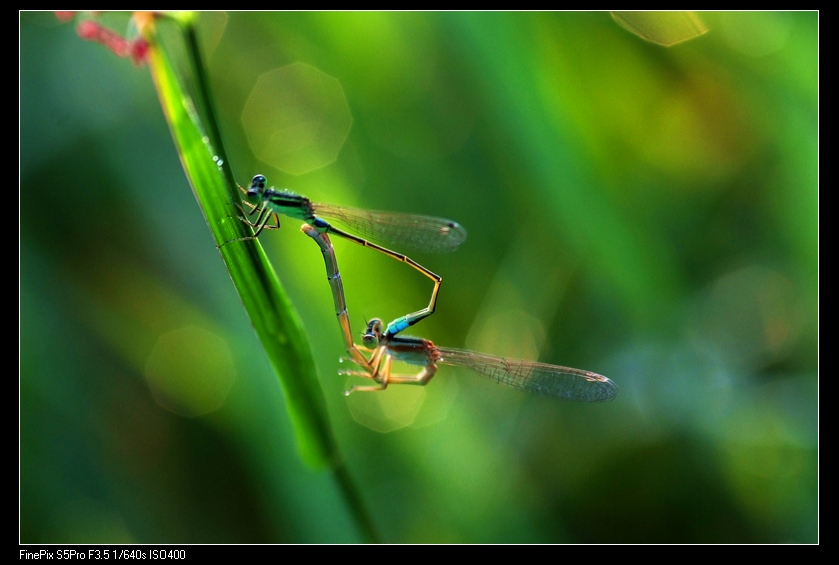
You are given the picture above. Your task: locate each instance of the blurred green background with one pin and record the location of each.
(647, 213)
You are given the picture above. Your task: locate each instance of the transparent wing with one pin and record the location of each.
(410, 231)
(538, 378)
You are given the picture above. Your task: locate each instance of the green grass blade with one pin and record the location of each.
(276, 323)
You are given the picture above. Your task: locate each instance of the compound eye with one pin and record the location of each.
(370, 341)
(374, 328)
(258, 182)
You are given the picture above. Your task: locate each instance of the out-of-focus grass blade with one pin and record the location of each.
(276, 322)
(664, 28)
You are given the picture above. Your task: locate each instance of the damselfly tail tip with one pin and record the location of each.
(309, 230)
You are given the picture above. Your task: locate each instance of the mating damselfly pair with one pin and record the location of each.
(383, 343)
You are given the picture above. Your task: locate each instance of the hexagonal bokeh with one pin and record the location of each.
(297, 118)
(190, 371)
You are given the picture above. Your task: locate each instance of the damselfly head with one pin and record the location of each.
(371, 335)
(258, 183)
